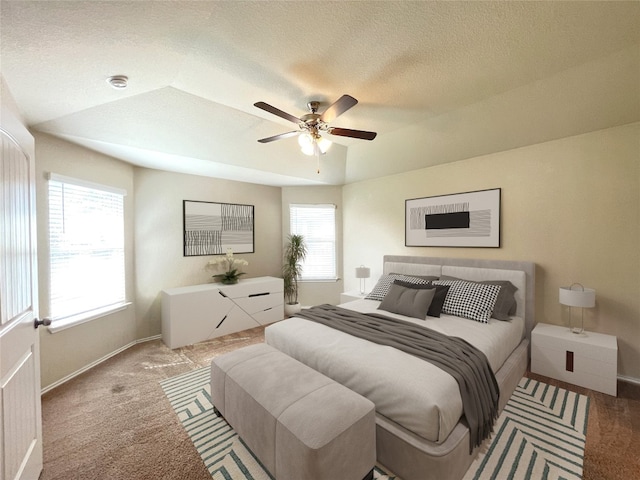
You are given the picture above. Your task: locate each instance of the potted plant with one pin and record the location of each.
(231, 266)
(295, 252)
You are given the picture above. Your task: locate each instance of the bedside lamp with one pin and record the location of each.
(582, 298)
(362, 273)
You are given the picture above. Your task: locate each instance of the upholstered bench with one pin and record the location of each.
(300, 424)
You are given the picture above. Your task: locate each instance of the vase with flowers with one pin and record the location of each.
(231, 267)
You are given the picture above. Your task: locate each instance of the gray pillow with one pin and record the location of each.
(506, 301)
(438, 298)
(411, 302)
(505, 305)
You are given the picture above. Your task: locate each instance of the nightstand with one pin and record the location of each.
(589, 359)
(351, 296)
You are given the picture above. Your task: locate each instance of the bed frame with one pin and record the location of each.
(412, 457)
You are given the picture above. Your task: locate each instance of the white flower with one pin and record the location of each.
(228, 262)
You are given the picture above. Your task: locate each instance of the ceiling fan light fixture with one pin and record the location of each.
(324, 144)
(310, 125)
(305, 140)
(308, 150)
(310, 144)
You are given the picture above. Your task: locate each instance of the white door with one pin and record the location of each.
(20, 412)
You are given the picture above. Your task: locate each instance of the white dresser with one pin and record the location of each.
(199, 312)
(589, 359)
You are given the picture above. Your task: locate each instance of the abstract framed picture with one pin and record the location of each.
(212, 228)
(470, 219)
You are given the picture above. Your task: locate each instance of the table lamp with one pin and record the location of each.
(362, 273)
(579, 297)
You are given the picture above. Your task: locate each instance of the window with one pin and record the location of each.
(317, 224)
(86, 241)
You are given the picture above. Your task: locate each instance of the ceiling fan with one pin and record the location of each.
(313, 124)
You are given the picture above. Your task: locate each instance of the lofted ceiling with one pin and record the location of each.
(464, 78)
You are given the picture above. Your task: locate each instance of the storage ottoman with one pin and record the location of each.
(299, 423)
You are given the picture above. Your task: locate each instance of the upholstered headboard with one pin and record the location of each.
(521, 274)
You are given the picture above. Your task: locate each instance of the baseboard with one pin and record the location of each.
(96, 362)
(148, 339)
(624, 378)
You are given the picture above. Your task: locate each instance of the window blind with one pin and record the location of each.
(86, 241)
(317, 224)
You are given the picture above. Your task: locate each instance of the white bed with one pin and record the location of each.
(421, 433)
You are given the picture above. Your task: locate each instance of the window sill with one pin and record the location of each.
(59, 325)
(318, 280)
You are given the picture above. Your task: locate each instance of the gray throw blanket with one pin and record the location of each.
(468, 365)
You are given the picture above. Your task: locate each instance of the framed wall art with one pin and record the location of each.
(212, 228)
(470, 219)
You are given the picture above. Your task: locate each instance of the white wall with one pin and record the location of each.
(572, 206)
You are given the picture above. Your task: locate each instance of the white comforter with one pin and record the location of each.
(411, 392)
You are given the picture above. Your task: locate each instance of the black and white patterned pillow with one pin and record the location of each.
(471, 300)
(384, 283)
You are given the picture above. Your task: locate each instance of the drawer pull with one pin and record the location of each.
(223, 319)
(569, 362)
(258, 294)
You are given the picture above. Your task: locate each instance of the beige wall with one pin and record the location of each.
(70, 350)
(160, 262)
(316, 293)
(572, 206)
(153, 247)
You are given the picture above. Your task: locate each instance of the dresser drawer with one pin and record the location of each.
(253, 286)
(259, 301)
(270, 315)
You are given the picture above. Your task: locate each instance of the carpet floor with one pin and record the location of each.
(114, 422)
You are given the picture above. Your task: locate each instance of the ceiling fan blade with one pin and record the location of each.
(341, 105)
(279, 137)
(346, 132)
(276, 111)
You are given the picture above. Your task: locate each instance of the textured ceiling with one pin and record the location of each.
(444, 71)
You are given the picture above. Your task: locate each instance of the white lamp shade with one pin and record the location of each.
(324, 144)
(312, 146)
(578, 298)
(363, 272)
(306, 143)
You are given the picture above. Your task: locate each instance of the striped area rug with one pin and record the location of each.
(539, 435)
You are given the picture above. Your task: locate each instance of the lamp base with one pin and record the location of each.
(577, 330)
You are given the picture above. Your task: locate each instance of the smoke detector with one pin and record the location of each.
(118, 81)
